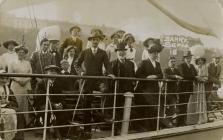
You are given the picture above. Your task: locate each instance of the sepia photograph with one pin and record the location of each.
(111, 69)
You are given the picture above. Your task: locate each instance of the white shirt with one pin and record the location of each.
(7, 58)
(111, 51)
(70, 60)
(94, 50)
(145, 54)
(130, 54)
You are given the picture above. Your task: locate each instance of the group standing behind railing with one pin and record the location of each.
(185, 93)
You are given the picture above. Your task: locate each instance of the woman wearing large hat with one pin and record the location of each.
(10, 55)
(21, 86)
(129, 39)
(197, 101)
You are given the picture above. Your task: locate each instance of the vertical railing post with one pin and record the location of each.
(165, 98)
(159, 100)
(126, 112)
(114, 107)
(46, 111)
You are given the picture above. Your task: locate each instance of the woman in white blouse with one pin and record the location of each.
(70, 56)
(21, 85)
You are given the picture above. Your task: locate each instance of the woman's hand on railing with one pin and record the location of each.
(111, 75)
(152, 77)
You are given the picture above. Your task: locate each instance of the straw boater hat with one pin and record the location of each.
(75, 27)
(95, 35)
(121, 47)
(6, 43)
(21, 48)
(52, 67)
(127, 36)
(200, 58)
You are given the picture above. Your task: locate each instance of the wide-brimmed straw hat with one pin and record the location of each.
(6, 43)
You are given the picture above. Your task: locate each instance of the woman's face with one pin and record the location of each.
(200, 62)
(21, 54)
(71, 52)
(130, 41)
(154, 55)
(11, 47)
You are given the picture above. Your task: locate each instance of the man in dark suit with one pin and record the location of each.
(94, 58)
(214, 73)
(56, 102)
(189, 73)
(150, 69)
(54, 51)
(40, 59)
(121, 67)
(172, 73)
(74, 39)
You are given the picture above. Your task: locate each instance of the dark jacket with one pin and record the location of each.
(172, 86)
(145, 69)
(93, 63)
(69, 41)
(57, 57)
(187, 74)
(214, 73)
(125, 69)
(39, 61)
(41, 88)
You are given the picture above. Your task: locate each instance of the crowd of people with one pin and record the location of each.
(116, 59)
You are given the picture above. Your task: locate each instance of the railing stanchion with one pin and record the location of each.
(159, 100)
(165, 98)
(126, 112)
(46, 111)
(114, 107)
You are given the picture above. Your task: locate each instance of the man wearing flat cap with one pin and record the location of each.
(57, 102)
(150, 69)
(189, 73)
(74, 39)
(8, 57)
(93, 58)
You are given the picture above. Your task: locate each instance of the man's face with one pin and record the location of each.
(45, 45)
(95, 42)
(75, 32)
(172, 63)
(54, 45)
(121, 54)
(188, 59)
(217, 60)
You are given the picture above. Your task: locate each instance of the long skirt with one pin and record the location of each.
(10, 122)
(197, 106)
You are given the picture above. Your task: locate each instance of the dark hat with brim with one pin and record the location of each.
(172, 58)
(155, 48)
(6, 43)
(18, 48)
(187, 54)
(145, 43)
(121, 47)
(52, 67)
(200, 58)
(115, 34)
(75, 27)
